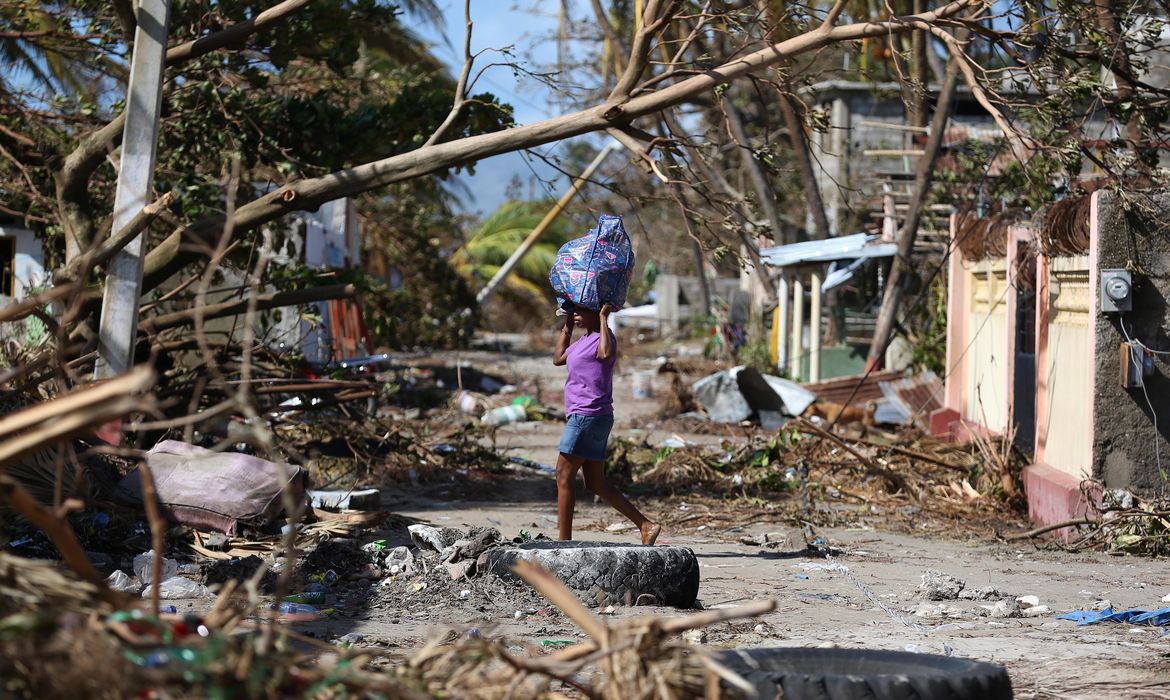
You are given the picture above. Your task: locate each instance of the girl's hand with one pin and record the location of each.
(606, 310)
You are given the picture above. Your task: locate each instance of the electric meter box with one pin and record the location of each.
(1116, 291)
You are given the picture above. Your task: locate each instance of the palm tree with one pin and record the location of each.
(37, 41)
(493, 242)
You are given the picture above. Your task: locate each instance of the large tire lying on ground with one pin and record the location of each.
(855, 674)
(603, 573)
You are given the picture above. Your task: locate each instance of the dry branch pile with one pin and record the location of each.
(826, 479)
(58, 641)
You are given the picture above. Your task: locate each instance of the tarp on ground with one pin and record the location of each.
(734, 395)
(214, 490)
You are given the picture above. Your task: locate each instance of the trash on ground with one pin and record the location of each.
(365, 499)
(144, 568)
(215, 490)
(1156, 618)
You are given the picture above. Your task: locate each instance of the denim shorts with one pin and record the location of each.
(587, 436)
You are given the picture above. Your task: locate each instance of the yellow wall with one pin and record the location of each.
(1070, 357)
(987, 368)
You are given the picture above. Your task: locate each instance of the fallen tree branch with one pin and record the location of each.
(171, 255)
(26, 307)
(914, 454)
(892, 477)
(158, 531)
(141, 221)
(71, 414)
(232, 308)
(1049, 528)
(59, 532)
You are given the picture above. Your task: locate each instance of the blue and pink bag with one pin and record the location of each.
(595, 269)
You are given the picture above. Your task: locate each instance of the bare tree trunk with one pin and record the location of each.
(895, 286)
(755, 171)
(704, 286)
(1122, 70)
(798, 138)
(919, 71)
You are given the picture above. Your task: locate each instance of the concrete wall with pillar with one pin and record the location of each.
(1131, 426)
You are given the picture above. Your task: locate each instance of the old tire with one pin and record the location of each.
(854, 674)
(603, 573)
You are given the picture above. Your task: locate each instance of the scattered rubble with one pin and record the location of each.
(984, 593)
(433, 538)
(939, 586)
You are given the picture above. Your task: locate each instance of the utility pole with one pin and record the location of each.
(119, 323)
(550, 217)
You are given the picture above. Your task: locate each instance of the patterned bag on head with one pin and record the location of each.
(595, 269)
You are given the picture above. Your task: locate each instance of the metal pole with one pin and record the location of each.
(550, 217)
(119, 322)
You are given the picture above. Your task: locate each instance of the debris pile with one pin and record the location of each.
(742, 396)
(1118, 521)
(242, 647)
(831, 480)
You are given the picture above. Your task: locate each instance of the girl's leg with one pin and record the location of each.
(594, 472)
(567, 466)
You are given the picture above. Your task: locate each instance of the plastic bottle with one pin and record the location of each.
(296, 609)
(504, 415)
(311, 597)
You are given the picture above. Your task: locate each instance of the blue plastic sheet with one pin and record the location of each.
(1155, 618)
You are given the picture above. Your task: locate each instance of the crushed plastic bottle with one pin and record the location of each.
(504, 415)
(311, 597)
(120, 582)
(297, 609)
(177, 587)
(143, 567)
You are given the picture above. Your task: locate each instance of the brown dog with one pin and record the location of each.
(837, 414)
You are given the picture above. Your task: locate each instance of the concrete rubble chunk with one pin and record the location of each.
(1028, 601)
(984, 593)
(478, 541)
(932, 611)
(400, 560)
(460, 569)
(1002, 609)
(939, 586)
(436, 539)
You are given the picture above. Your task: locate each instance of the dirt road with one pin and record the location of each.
(867, 595)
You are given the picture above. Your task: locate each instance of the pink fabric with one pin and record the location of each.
(215, 490)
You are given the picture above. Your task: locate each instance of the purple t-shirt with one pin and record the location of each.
(589, 387)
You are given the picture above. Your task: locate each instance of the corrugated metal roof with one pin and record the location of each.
(858, 245)
(916, 396)
(840, 389)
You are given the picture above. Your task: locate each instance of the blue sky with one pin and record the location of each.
(529, 27)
